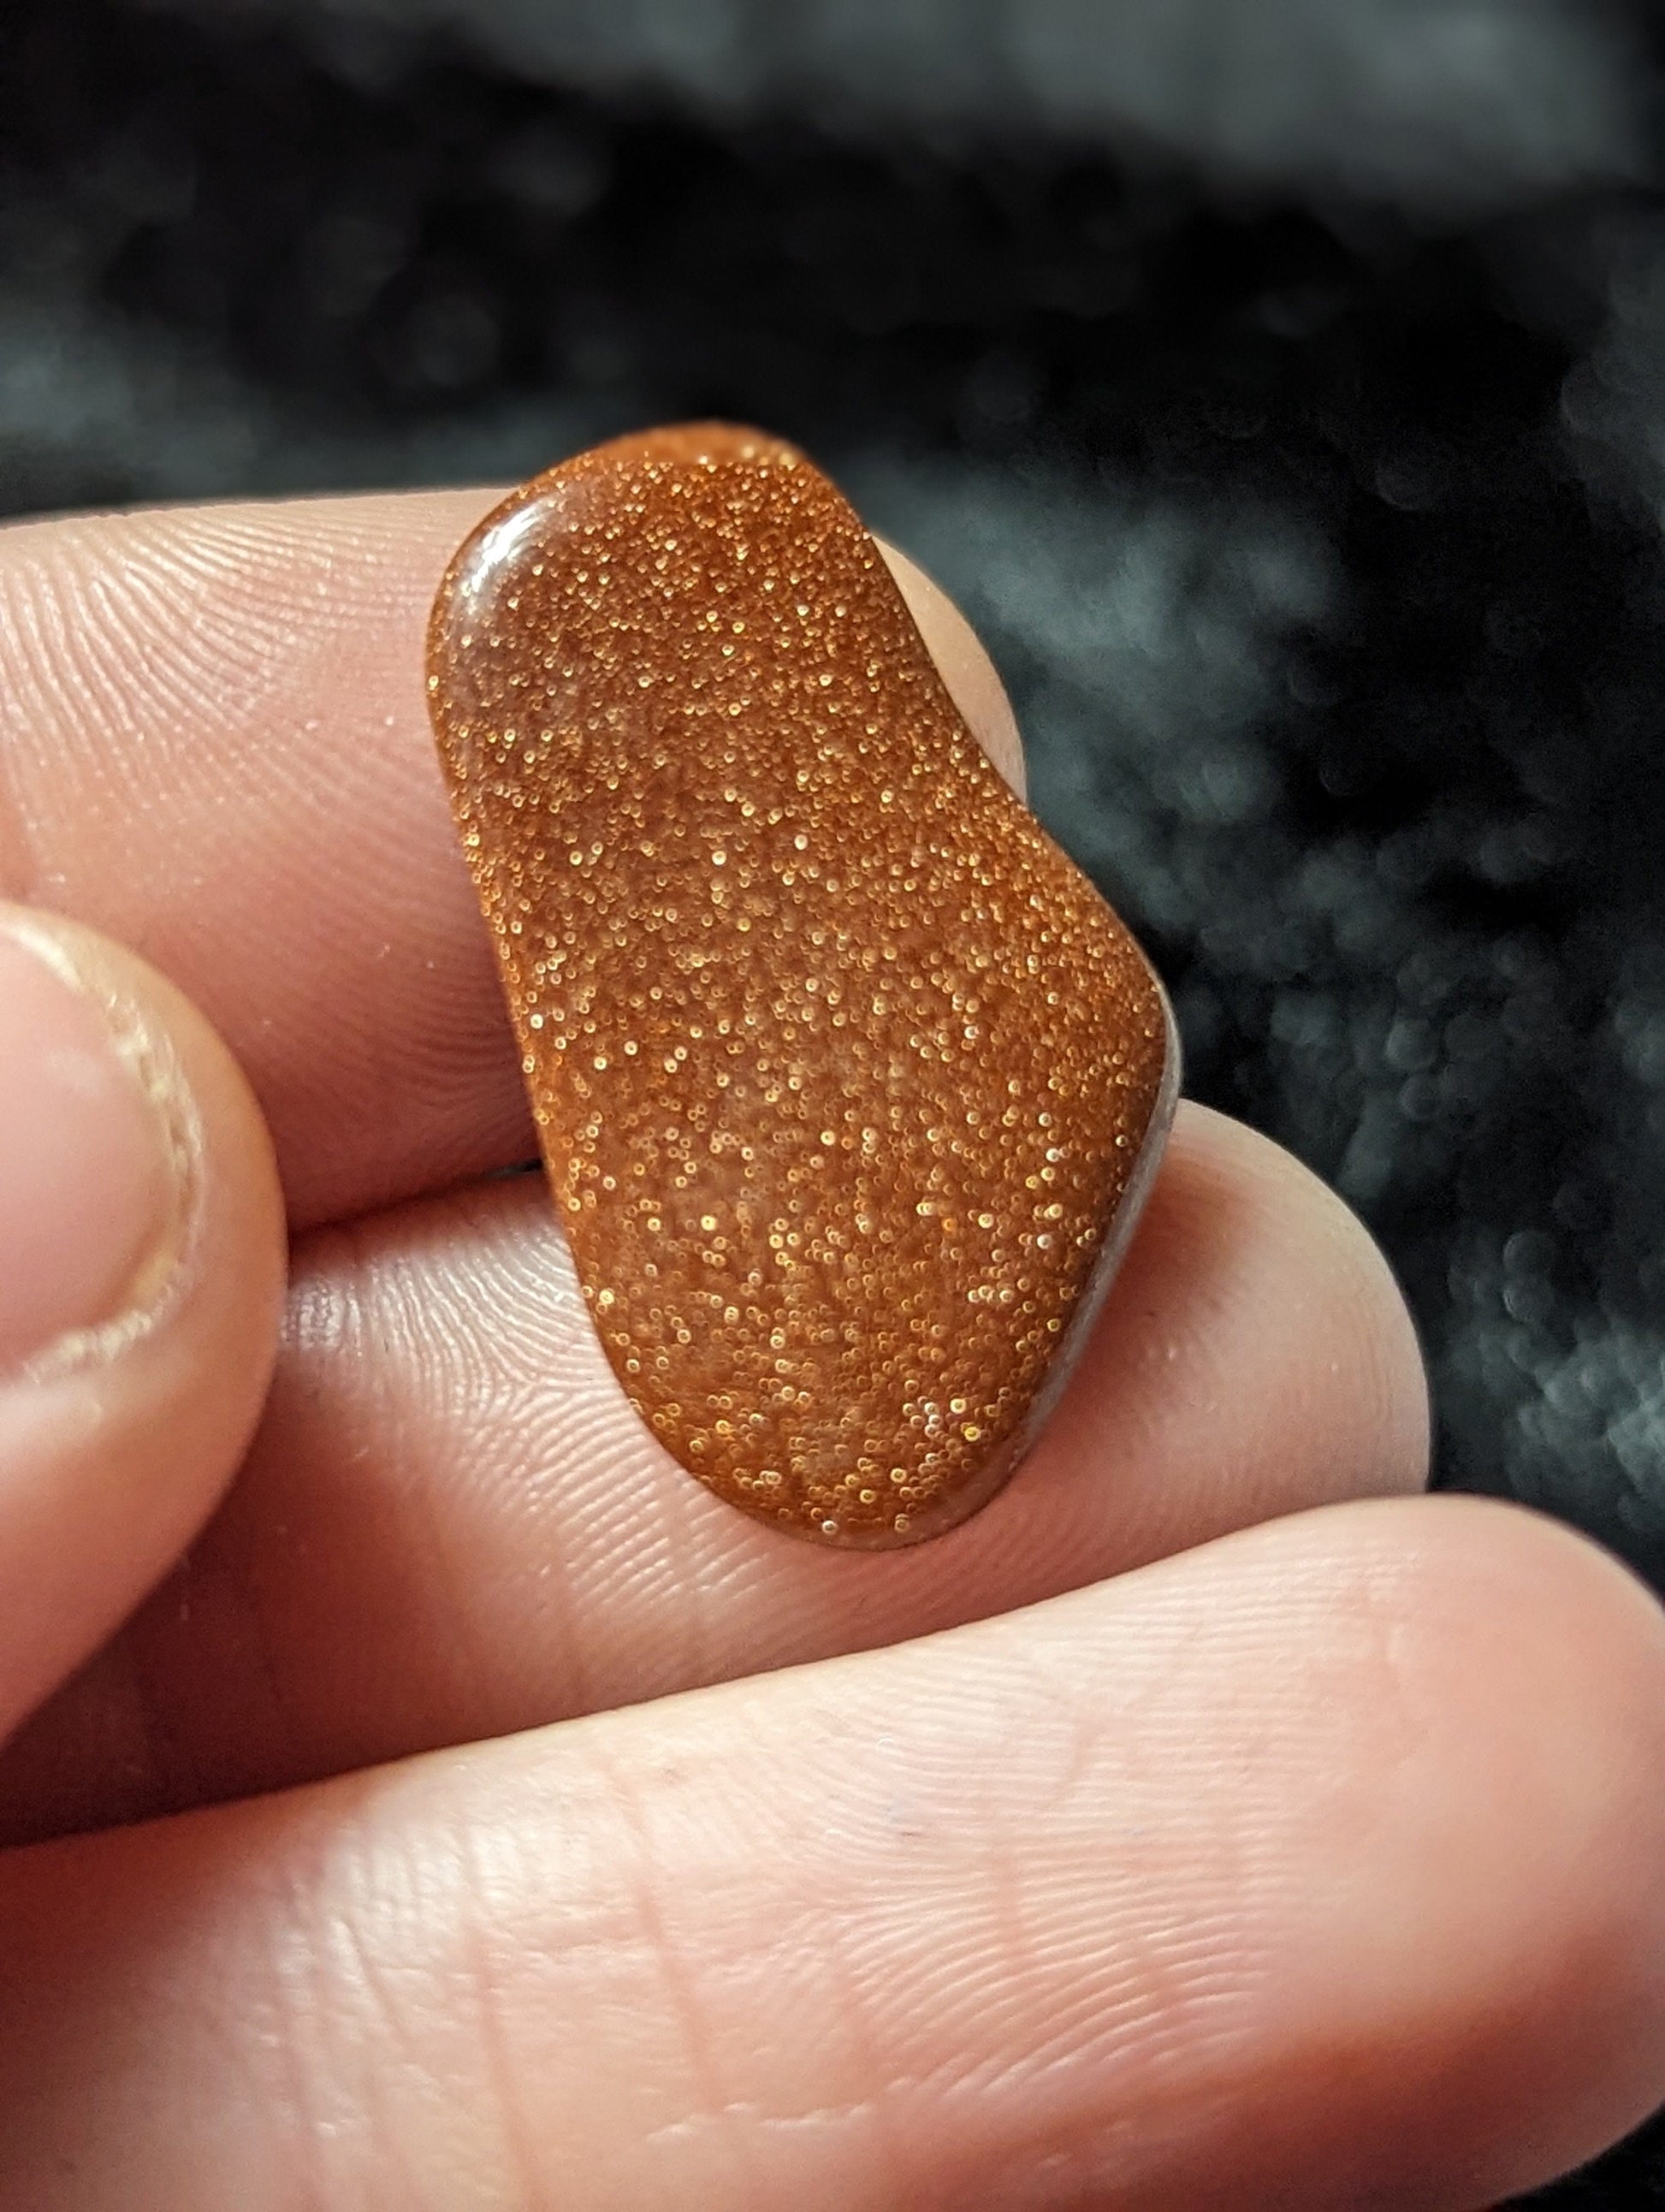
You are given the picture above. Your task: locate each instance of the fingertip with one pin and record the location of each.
(1339, 1297)
(1255, 1357)
(1520, 1735)
(964, 663)
(119, 1432)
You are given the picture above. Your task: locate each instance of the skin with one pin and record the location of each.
(1214, 1820)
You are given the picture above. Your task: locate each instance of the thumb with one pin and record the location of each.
(142, 1261)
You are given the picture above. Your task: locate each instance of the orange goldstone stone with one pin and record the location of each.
(849, 1083)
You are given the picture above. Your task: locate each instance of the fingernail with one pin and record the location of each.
(849, 1083)
(91, 1200)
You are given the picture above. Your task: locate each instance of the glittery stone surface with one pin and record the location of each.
(848, 1082)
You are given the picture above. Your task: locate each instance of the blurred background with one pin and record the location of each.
(1280, 384)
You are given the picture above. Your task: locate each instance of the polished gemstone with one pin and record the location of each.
(848, 1082)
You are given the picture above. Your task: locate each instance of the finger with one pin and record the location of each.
(1322, 1867)
(214, 745)
(454, 1525)
(141, 1275)
(964, 666)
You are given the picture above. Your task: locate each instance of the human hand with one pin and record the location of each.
(1314, 1866)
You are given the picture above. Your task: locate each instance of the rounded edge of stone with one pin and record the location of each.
(1005, 1464)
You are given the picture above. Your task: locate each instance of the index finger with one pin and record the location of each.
(213, 746)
